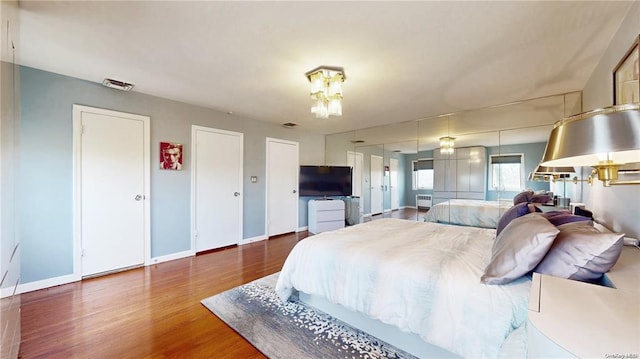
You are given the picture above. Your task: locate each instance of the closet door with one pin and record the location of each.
(282, 186)
(217, 188)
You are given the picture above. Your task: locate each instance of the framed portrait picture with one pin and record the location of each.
(626, 84)
(170, 156)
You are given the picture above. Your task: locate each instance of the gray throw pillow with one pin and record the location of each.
(519, 248)
(581, 252)
(512, 213)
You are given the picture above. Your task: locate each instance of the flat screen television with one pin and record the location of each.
(325, 181)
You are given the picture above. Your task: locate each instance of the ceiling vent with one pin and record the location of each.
(289, 125)
(115, 84)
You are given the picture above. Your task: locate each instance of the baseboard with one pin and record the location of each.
(46, 283)
(302, 229)
(252, 239)
(366, 215)
(172, 256)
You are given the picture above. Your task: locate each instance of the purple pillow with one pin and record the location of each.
(522, 197)
(512, 213)
(540, 198)
(558, 218)
(582, 253)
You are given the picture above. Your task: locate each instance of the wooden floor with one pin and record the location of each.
(152, 312)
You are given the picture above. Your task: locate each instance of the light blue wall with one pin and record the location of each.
(46, 166)
(532, 155)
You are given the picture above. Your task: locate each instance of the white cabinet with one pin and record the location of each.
(462, 174)
(325, 215)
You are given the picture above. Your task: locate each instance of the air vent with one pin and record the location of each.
(115, 84)
(357, 141)
(289, 125)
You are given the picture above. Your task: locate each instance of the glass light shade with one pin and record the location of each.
(602, 137)
(317, 84)
(320, 109)
(326, 90)
(335, 107)
(335, 86)
(446, 145)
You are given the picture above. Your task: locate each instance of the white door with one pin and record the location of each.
(376, 184)
(112, 162)
(393, 183)
(282, 186)
(216, 196)
(356, 161)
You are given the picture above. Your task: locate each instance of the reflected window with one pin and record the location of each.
(506, 172)
(422, 174)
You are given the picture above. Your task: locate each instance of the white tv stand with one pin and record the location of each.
(325, 215)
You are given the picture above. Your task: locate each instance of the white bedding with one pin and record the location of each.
(468, 212)
(422, 277)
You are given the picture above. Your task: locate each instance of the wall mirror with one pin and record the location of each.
(402, 170)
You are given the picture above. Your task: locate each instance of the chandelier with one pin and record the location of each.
(447, 145)
(326, 90)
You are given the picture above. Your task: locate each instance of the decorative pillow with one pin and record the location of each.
(519, 248)
(540, 198)
(521, 197)
(512, 213)
(581, 253)
(558, 218)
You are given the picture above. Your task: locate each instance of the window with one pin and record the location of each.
(506, 172)
(422, 174)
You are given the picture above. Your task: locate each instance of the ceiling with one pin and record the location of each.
(403, 60)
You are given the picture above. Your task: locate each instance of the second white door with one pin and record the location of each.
(376, 184)
(282, 186)
(217, 163)
(356, 161)
(393, 184)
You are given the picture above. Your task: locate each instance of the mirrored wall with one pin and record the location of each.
(402, 170)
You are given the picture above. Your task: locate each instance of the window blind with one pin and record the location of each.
(506, 159)
(422, 165)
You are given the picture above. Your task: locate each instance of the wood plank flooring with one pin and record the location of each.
(151, 312)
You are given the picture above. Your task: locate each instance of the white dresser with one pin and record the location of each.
(325, 215)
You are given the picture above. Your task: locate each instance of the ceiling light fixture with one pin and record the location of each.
(604, 139)
(326, 90)
(447, 145)
(115, 84)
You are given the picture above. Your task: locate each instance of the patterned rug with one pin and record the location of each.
(292, 329)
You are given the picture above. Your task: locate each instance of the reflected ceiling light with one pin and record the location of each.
(604, 139)
(447, 145)
(326, 90)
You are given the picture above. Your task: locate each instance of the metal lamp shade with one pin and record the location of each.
(603, 136)
(553, 170)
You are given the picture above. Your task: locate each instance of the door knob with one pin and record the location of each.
(138, 197)
(294, 191)
(236, 194)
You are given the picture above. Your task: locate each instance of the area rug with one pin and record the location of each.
(292, 329)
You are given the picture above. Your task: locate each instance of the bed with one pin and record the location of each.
(468, 212)
(421, 278)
